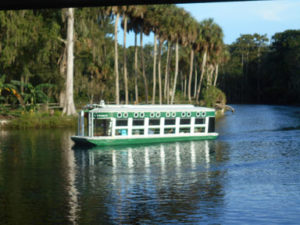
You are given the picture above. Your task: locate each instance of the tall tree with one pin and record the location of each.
(191, 38)
(154, 68)
(69, 107)
(126, 10)
(137, 20)
(117, 59)
(211, 37)
(179, 22)
(125, 58)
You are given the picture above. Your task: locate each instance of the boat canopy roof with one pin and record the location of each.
(145, 108)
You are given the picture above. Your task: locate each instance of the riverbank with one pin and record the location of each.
(52, 119)
(38, 120)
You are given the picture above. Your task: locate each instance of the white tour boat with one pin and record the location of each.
(105, 125)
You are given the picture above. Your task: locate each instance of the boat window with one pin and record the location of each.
(137, 131)
(154, 131)
(153, 122)
(86, 124)
(102, 127)
(136, 122)
(185, 130)
(121, 132)
(211, 125)
(185, 121)
(120, 123)
(199, 130)
(169, 131)
(200, 121)
(170, 121)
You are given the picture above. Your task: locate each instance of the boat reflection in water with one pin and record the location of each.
(157, 183)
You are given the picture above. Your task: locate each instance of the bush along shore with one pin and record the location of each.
(37, 120)
(41, 116)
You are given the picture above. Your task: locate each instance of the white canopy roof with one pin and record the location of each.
(148, 108)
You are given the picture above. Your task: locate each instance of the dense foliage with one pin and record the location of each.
(183, 60)
(259, 72)
(186, 63)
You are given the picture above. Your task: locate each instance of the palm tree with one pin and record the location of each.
(203, 41)
(216, 47)
(124, 57)
(133, 26)
(116, 11)
(154, 68)
(159, 24)
(192, 35)
(137, 22)
(195, 80)
(116, 59)
(211, 40)
(179, 22)
(223, 58)
(167, 72)
(126, 10)
(152, 21)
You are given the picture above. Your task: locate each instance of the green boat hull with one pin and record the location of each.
(86, 141)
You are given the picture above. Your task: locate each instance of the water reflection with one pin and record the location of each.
(166, 182)
(37, 178)
(70, 172)
(249, 175)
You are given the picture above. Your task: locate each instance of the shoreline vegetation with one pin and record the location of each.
(19, 119)
(73, 57)
(38, 120)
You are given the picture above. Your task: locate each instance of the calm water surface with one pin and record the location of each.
(250, 175)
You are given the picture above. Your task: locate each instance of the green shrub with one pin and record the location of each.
(213, 95)
(42, 120)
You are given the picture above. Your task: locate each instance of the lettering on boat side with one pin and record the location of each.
(102, 115)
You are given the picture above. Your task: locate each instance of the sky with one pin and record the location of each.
(236, 18)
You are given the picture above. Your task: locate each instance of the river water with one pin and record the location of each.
(249, 175)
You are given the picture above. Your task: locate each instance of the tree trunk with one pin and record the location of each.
(195, 82)
(143, 66)
(69, 107)
(191, 74)
(62, 71)
(169, 78)
(209, 75)
(125, 60)
(176, 71)
(167, 71)
(22, 84)
(182, 83)
(216, 76)
(136, 70)
(159, 71)
(185, 84)
(201, 76)
(117, 61)
(154, 68)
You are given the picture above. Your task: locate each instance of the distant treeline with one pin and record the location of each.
(259, 72)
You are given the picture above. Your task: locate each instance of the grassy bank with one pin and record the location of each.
(41, 120)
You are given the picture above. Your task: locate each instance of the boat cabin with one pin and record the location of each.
(117, 122)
